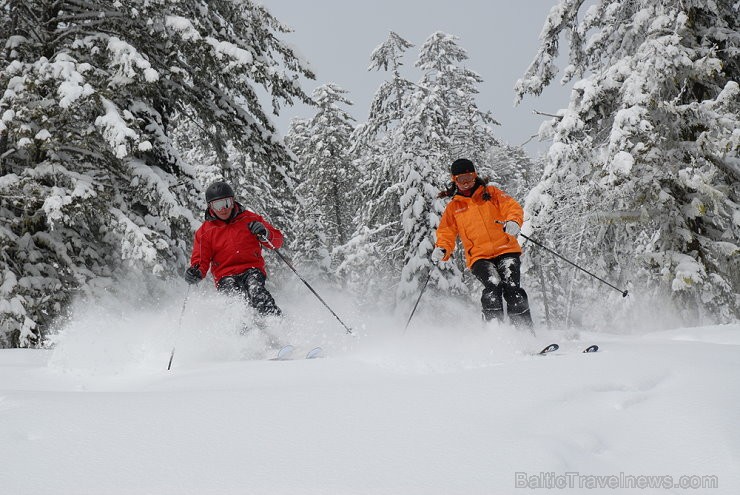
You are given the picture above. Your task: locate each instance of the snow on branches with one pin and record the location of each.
(95, 102)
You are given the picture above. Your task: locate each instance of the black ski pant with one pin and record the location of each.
(500, 278)
(251, 284)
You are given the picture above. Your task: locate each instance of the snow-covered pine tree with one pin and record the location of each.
(457, 129)
(405, 149)
(424, 142)
(642, 177)
(374, 254)
(328, 180)
(307, 236)
(513, 170)
(93, 93)
(470, 129)
(267, 189)
(297, 137)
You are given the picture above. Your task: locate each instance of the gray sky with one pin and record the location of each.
(501, 37)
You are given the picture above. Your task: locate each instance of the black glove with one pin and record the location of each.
(192, 275)
(258, 229)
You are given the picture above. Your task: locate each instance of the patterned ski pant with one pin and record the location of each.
(500, 277)
(251, 284)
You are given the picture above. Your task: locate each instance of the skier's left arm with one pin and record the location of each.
(273, 234)
(510, 209)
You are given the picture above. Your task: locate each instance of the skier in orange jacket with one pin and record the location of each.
(487, 220)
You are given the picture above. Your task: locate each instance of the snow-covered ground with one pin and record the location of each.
(449, 407)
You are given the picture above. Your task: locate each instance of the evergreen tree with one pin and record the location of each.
(414, 132)
(442, 123)
(641, 179)
(94, 94)
(374, 252)
(513, 170)
(327, 178)
(469, 128)
(423, 141)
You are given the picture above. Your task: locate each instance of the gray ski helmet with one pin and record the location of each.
(218, 190)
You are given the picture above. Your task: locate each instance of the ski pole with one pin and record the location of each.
(272, 246)
(624, 292)
(179, 324)
(421, 293)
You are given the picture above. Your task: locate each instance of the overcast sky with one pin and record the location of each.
(501, 37)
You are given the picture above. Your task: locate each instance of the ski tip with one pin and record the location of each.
(549, 348)
(591, 348)
(284, 352)
(314, 353)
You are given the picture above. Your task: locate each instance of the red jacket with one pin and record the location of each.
(474, 220)
(228, 247)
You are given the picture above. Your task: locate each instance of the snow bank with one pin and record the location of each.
(646, 407)
(450, 406)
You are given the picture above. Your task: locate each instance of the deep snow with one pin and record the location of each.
(449, 407)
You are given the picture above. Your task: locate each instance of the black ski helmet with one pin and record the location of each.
(219, 190)
(462, 166)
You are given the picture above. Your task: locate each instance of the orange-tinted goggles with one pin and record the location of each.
(470, 176)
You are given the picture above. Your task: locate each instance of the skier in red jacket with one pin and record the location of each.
(230, 243)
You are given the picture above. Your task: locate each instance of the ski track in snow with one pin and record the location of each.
(450, 406)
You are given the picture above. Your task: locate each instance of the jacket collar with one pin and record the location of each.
(477, 188)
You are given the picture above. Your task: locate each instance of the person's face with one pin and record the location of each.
(465, 181)
(222, 208)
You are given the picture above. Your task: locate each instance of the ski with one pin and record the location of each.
(554, 347)
(314, 353)
(286, 353)
(550, 348)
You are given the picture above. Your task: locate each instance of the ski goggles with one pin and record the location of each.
(222, 204)
(465, 178)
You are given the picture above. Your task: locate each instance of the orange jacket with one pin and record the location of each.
(474, 220)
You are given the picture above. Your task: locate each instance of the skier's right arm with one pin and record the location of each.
(447, 233)
(201, 256)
